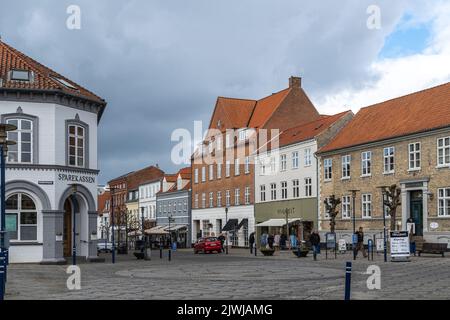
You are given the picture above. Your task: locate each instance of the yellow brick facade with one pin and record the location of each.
(428, 179)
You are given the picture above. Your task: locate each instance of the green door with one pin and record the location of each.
(417, 215)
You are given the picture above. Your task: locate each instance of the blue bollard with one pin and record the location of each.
(348, 280)
(2, 275)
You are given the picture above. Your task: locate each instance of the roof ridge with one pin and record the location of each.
(231, 98)
(406, 95)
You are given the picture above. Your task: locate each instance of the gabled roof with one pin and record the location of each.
(185, 173)
(44, 77)
(414, 113)
(309, 130)
(238, 111)
(266, 107)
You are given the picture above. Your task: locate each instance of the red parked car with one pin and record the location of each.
(208, 244)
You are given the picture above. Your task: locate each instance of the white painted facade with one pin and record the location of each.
(211, 220)
(46, 180)
(147, 199)
(267, 174)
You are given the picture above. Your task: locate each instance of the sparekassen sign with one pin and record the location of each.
(75, 178)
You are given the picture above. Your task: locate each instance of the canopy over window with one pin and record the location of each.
(277, 222)
(230, 225)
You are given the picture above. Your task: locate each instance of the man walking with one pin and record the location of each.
(360, 244)
(251, 241)
(222, 241)
(314, 238)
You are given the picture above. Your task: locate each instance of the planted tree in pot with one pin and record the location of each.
(302, 250)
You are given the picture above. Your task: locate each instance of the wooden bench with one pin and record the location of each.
(433, 248)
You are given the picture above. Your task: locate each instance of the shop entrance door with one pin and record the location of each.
(416, 208)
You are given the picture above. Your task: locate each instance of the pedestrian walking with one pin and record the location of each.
(222, 241)
(270, 241)
(360, 244)
(314, 238)
(283, 240)
(251, 241)
(264, 239)
(276, 243)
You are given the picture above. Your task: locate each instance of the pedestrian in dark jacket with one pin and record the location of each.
(270, 241)
(314, 238)
(222, 241)
(251, 241)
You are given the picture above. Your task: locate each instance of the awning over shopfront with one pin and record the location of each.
(277, 222)
(134, 233)
(159, 230)
(230, 225)
(243, 223)
(176, 227)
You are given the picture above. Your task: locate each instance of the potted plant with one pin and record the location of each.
(302, 250)
(267, 251)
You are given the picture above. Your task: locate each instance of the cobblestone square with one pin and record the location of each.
(236, 276)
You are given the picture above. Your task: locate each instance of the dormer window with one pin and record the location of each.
(21, 75)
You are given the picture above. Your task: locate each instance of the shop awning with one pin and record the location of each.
(277, 222)
(230, 225)
(175, 227)
(134, 233)
(159, 230)
(243, 223)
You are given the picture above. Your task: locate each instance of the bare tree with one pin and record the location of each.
(331, 205)
(392, 201)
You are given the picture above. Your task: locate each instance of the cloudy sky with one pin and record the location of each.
(162, 64)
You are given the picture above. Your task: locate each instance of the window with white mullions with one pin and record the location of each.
(22, 152)
(284, 190)
(76, 146)
(21, 218)
(366, 163)
(389, 159)
(366, 206)
(444, 202)
(346, 207)
(346, 166)
(414, 156)
(443, 147)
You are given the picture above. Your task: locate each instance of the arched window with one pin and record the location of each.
(22, 152)
(21, 217)
(76, 146)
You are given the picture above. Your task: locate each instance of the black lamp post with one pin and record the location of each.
(113, 249)
(143, 229)
(74, 230)
(226, 238)
(354, 191)
(383, 195)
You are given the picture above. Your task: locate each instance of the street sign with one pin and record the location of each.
(355, 238)
(400, 246)
(342, 245)
(331, 240)
(380, 245)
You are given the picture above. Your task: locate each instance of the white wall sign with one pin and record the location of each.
(342, 245)
(434, 225)
(380, 245)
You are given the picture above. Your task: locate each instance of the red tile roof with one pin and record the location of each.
(309, 130)
(414, 113)
(237, 111)
(266, 107)
(44, 77)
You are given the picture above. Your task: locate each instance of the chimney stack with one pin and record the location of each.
(295, 82)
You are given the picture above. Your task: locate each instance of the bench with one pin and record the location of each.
(433, 248)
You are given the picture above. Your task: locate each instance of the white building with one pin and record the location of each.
(52, 171)
(147, 198)
(286, 177)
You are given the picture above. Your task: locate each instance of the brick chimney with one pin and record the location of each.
(295, 82)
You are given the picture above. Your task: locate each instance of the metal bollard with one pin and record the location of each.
(160, 252)
(348, 280)
(6, 264)
(369, 249)
(170, 254)
(256, 250)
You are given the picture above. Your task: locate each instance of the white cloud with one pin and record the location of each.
(402, 75)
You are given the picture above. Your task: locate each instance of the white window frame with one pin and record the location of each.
(262, 192)
(283, 162)
(387, 160)
(77, 137)
(284, 190)
(296, 188)
(273, 191)
(227, 198)
(211, 172)
(346, 166)
(211, 200)
(227, 169)
(273, 167)
(414, 156)
(308, 158)
(366, 164)
(219, 199)
(237, 193)
(295, 156)
(443, 202)
(237, 170)
(18, 146)
(203, 200)
(346, 207)
(328, 169)
(195, 202)
(203, 174)
(18, 213)
(308, 187)
(219, 171)
(247, 165)
(445, 152)
(247, 195)
(366, 206)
